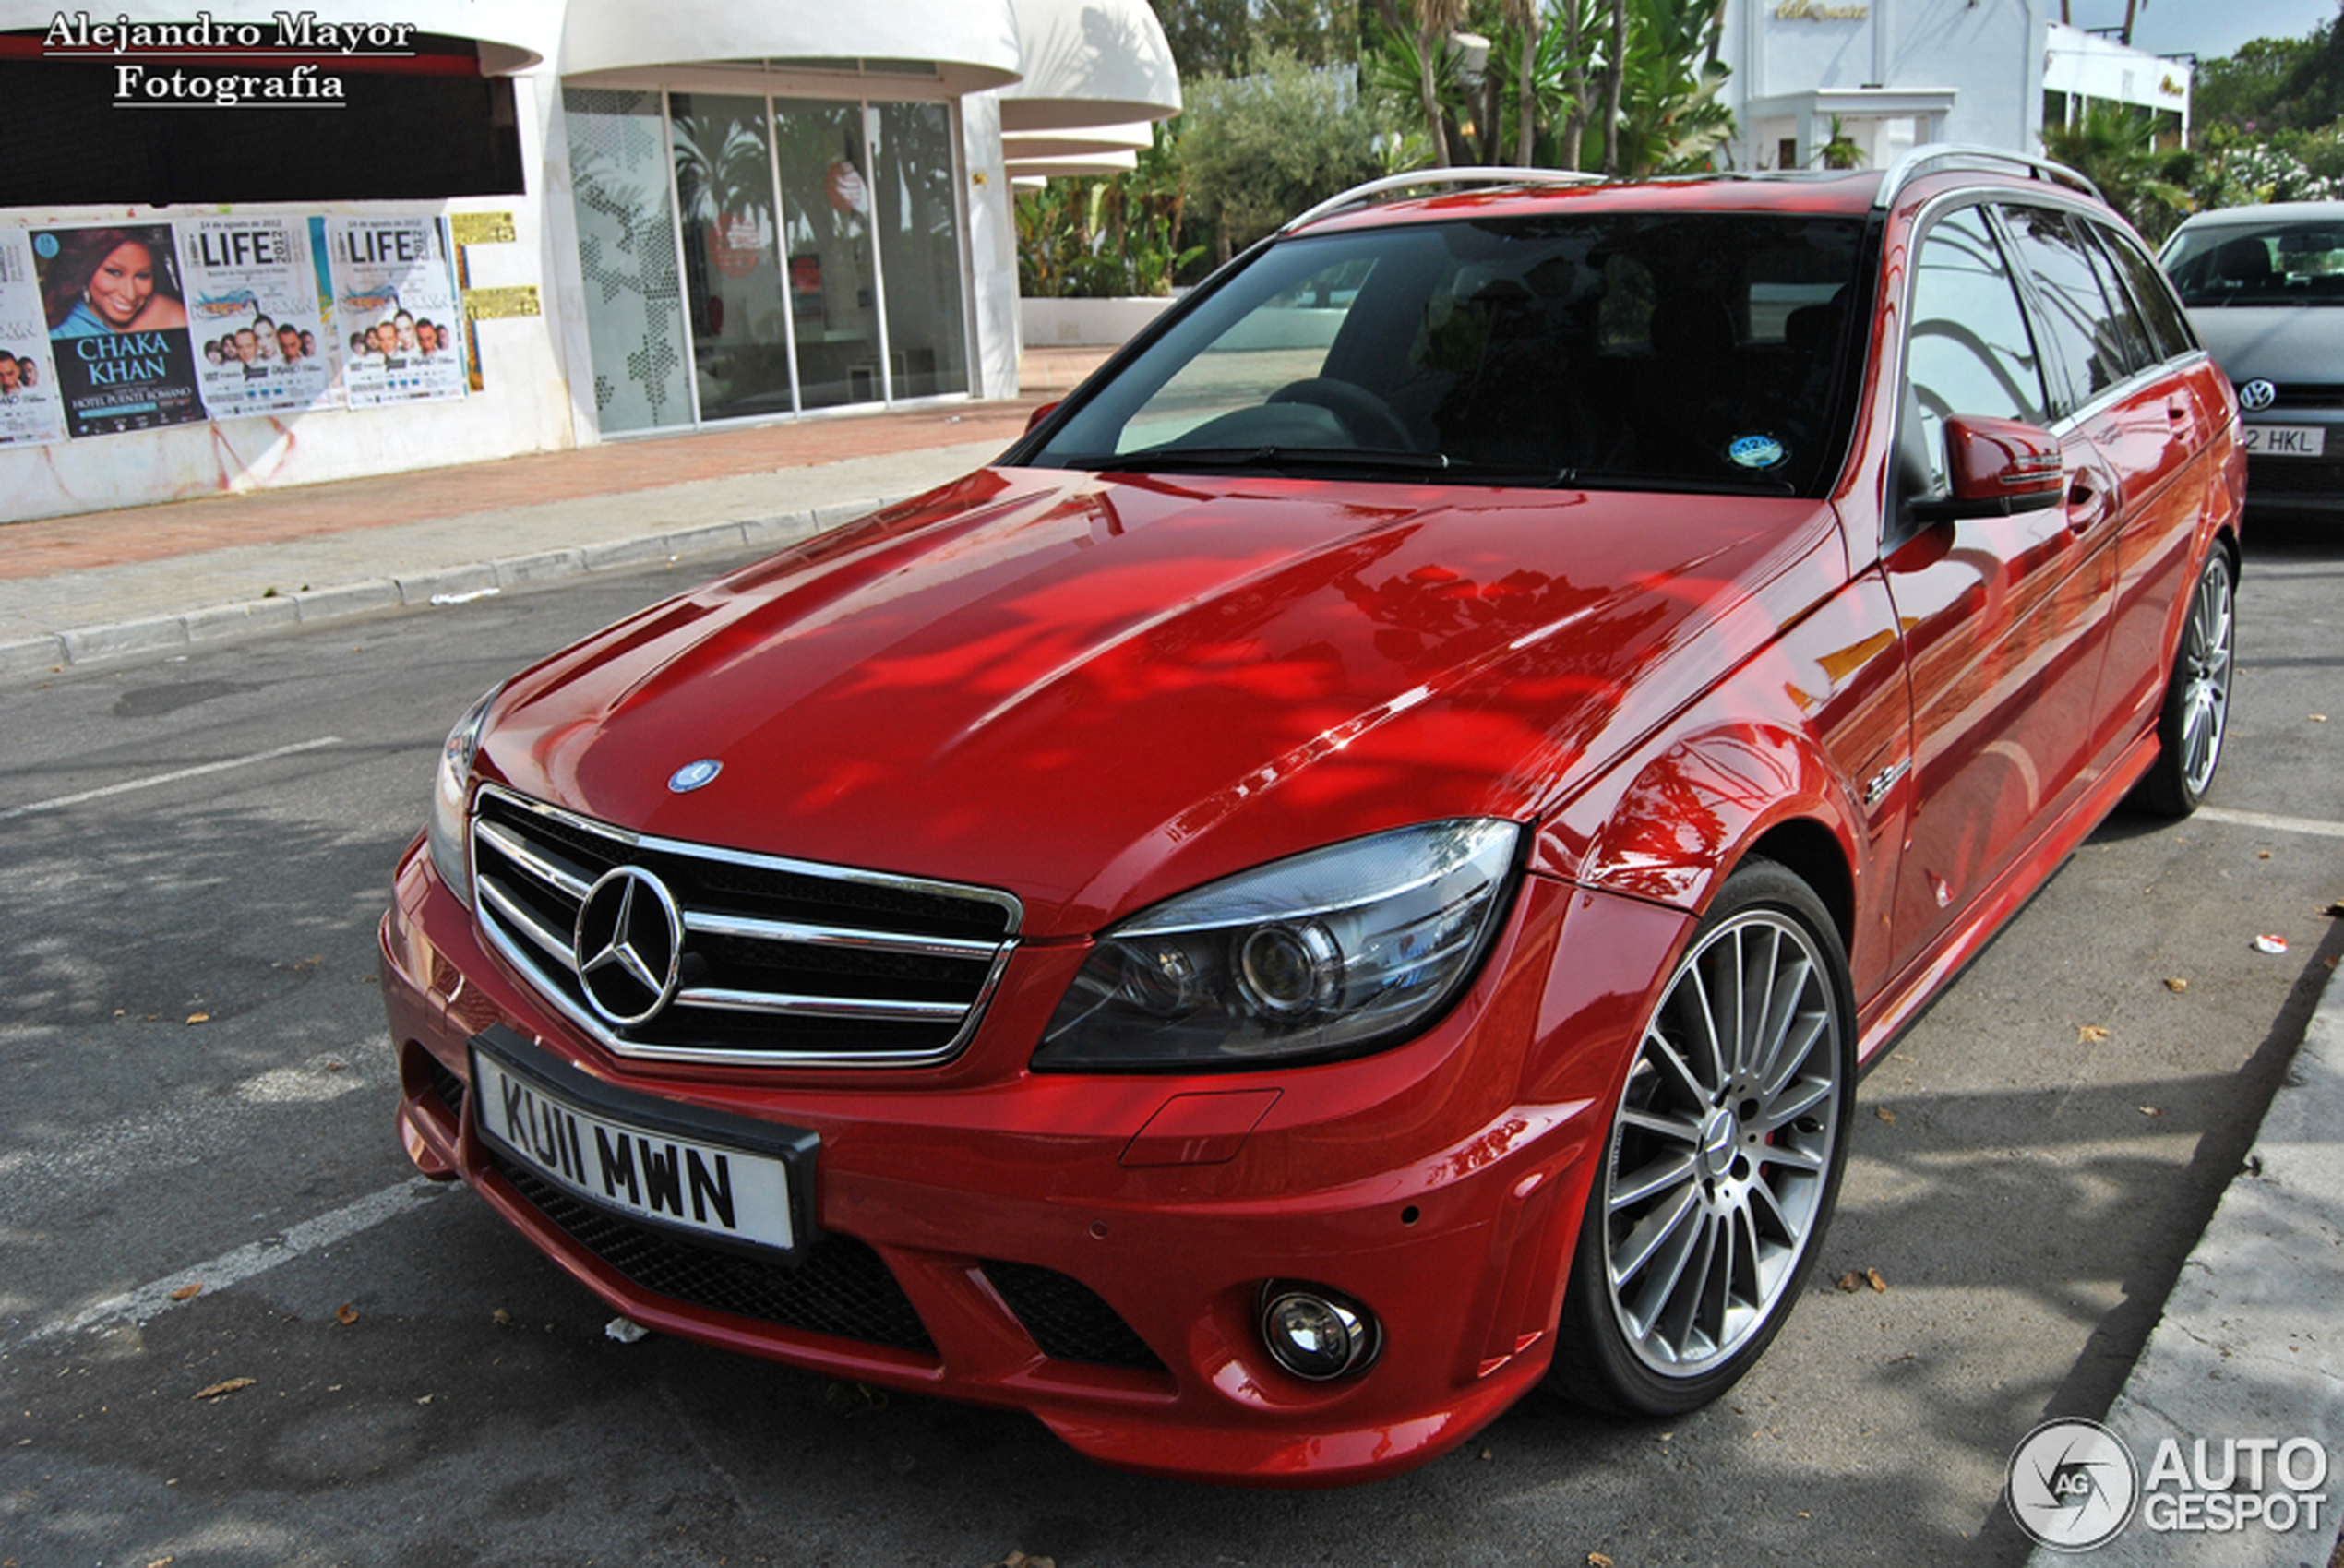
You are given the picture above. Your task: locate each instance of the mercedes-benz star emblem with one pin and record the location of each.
(691, 775)
(2256, 396)
(629, 945)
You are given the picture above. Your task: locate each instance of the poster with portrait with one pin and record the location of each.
(31, 413)
(116, 311)
(394, 310)
(252, 310)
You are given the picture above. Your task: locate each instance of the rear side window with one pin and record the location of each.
(2159, 309)
(2089, 352)
(2128, 336)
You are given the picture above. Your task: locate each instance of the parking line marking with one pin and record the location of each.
(244, 1263)
(126, 788)
(2270, 823)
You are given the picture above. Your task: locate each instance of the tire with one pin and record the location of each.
(1739, 1146)
(2195, 718)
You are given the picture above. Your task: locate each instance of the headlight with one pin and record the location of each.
(445, 830)
(1324, 955)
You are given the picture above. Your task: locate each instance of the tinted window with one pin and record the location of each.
(2161, 312)
(2087, 353)
(1970, 351)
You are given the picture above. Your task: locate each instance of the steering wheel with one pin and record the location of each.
(1368, 417)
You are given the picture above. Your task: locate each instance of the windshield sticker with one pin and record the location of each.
(1756, 451)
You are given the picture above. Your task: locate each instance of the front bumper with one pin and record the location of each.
(1092, 1248)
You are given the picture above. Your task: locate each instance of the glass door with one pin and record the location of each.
(918, 219)
(731, 261)
(833, 284)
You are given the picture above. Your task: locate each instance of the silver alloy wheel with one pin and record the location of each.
(2206, 674)
(1719, 1163)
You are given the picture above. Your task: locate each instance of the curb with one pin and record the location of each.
(30, 658)
(2250, 1344)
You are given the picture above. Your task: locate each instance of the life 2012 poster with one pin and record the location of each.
(117, 315)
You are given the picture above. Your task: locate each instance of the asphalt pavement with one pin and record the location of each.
(2250, 1344)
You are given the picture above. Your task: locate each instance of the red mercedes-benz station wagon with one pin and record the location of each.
(1352, 872)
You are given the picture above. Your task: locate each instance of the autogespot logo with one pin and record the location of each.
(2072, 1485)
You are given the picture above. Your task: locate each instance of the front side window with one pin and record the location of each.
(1608, 350)
(1969, 351)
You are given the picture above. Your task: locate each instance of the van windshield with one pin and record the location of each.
(1703, 351)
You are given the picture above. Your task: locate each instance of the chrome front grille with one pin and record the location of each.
(776, 961)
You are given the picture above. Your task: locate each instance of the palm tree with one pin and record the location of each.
(1436, 19)
(1524, 15)
(1615, 77)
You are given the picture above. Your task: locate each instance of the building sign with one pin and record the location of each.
(1819, 11)
(394, 310)
(31, 411)
(117, 316)
(481, 228)
(498, 304)
(252, 307)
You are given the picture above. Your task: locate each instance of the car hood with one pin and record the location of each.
(2292, 345)
(1097, 691)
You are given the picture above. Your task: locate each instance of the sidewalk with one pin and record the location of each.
(2251, 1343)
(78, 590)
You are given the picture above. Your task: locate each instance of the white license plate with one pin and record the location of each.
(2287, 440)
(712, 1188)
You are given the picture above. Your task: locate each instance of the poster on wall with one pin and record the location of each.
(117, 316)
(328, 341)
(31, 413)
(394, 310)
(251, 309)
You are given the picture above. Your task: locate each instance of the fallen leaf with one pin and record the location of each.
(222, 1390)
(158, 1563)
(2175, 984)
(1804, 1515)
(1598, 1560)
(1879, 1285)
(1851, 1283)
(2090, 1033)
(186, 1293)
(2262, 855)
(424, 1400)
(345, 1314)
(200, 1018)
(501, 1318)
(2336, 909)
(2319, 718)
(2149, 1111)
(1885, 1114)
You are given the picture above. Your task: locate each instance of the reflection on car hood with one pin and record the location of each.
(2291, 344)
(1097, 692)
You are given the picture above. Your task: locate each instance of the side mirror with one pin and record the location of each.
(1998, 468)
(1033, 420)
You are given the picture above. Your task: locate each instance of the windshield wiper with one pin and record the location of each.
(1317, 460)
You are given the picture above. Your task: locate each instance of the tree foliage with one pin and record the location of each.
(1259, 149)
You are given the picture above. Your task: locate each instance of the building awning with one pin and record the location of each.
(973, 44)
(1078, 142)
(1074, 165)
(1089, 63)
(1854, 104)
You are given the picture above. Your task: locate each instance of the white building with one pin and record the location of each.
(1889, 74)
(661, 214)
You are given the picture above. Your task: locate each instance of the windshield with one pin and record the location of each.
(1635, 350)
(2275, 264)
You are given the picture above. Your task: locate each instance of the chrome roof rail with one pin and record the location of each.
(1965, 155)
(1359, 196)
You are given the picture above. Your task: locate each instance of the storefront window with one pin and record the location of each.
(626, 254)
(919, 228)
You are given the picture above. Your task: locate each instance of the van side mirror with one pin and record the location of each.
(1997, 468)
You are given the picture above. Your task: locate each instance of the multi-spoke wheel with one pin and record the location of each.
(1724, 1159)
(2197, 698)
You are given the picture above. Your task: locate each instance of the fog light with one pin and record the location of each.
(1314, 1334)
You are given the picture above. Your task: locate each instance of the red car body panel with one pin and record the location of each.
(1097, 691)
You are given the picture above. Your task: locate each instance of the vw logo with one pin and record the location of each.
(630, 946)
(2256, 396)
(691, 775)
